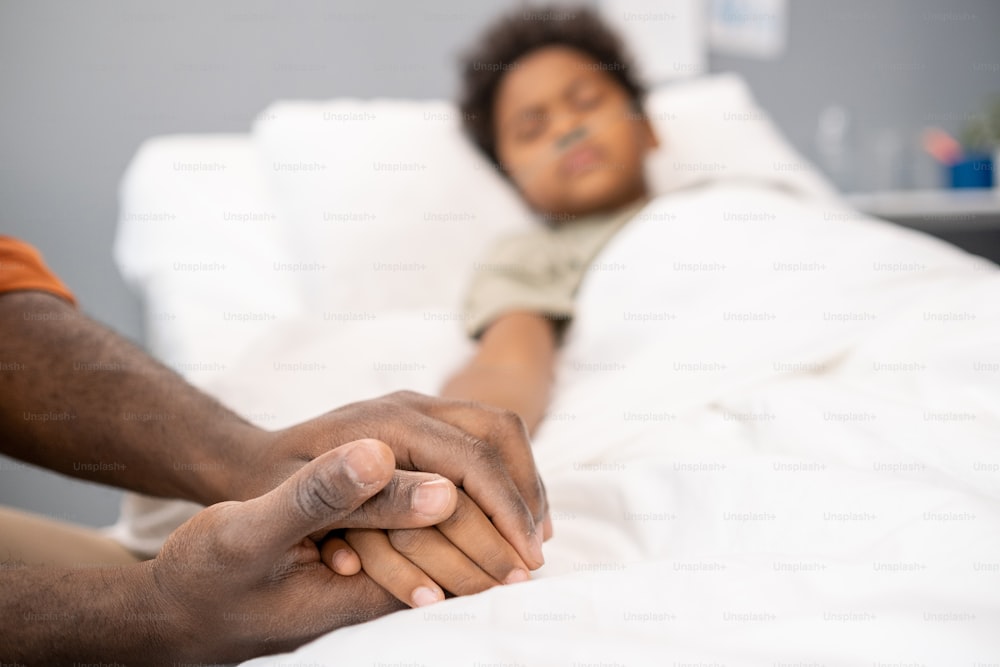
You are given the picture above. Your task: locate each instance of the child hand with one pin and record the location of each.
(462, 555)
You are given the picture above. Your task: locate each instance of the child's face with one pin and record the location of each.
(568, 135)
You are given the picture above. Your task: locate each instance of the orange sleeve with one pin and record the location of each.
(22, 268)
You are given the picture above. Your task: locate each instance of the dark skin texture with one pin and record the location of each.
(550, 93)
(68, 400)
(240, 579)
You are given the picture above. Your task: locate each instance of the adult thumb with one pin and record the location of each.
(320, 494)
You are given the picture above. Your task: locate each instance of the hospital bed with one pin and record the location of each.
(775, 435)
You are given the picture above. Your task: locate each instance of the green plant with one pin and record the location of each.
(982, 131)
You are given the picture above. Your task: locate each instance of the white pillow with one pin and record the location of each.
(397, 206)
(712, 129)
(350, 208)
(199, 238)
(388, 197)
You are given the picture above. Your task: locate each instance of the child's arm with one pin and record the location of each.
(513, 367)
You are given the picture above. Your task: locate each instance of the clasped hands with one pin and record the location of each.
(376, 505)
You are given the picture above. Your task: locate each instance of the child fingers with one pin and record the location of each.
(469, 529)
(445, 563)
(340, 557)
(391, 570)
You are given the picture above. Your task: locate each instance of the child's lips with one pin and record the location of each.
(580, 159)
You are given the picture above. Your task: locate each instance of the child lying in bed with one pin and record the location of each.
(556, 107)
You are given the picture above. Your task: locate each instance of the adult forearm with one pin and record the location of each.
(81, 616)
(77, 398)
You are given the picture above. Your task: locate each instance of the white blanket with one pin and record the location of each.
(775, 440)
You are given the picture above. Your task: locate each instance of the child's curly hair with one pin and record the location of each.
(518, 33)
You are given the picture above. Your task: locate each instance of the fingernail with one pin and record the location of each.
(340, 558)
(432, 498)
(360, 465)
(424, 596)
(516, 576)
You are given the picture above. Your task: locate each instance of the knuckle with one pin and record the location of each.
(507, 433)
(468, 583)
(484, 451)
(505, 427)
(460, 517)
(365, 516)
(394, 499)
(393, 576)
(493, 559)
(514, 505)
(405, 396)
(511, 422)
(320, 497)
(408, 541)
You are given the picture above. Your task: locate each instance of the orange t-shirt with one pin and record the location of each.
(22, 268)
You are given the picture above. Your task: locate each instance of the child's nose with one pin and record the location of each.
(564, 125)
(571, 137)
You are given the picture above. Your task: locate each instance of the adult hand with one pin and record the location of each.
(481, 449)
(242, 579)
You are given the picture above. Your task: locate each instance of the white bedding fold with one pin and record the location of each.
(776, 438)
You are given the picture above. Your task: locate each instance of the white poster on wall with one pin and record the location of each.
(754, 28)
(666, 37)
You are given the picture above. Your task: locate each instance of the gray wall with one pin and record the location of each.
(895, 65)
(83, 83)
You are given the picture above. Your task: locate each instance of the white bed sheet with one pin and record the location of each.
(775, 440)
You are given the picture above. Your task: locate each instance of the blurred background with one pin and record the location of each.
(853, 84)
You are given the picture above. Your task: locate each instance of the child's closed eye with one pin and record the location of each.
(587, 98)
(530, 126)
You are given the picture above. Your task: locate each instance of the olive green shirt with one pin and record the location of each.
(540, 271)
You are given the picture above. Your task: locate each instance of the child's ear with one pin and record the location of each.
(653, 138)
